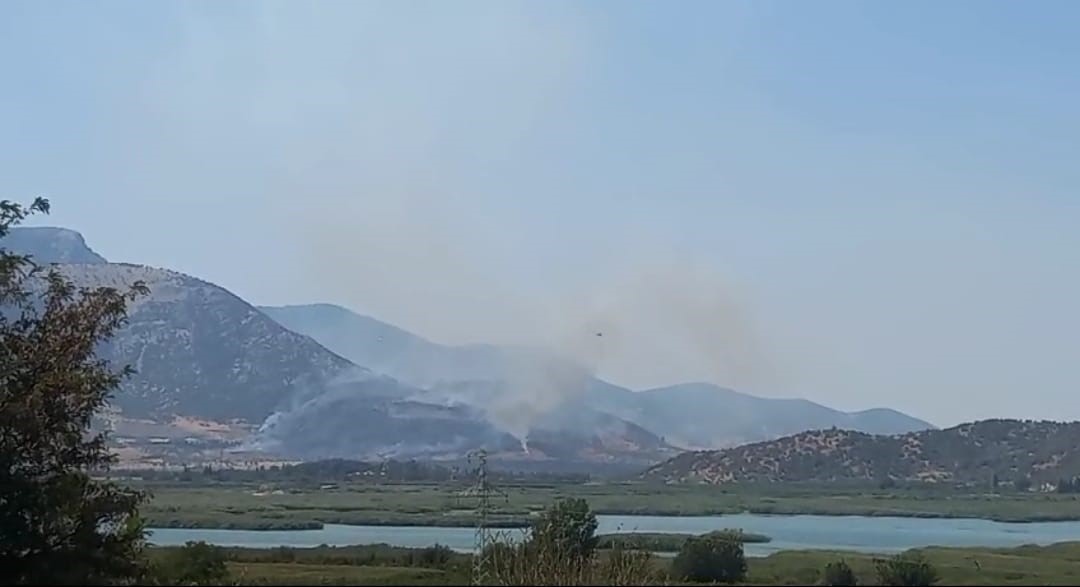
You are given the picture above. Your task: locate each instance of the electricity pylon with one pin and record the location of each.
(483, 491)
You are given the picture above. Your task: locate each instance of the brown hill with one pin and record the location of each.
(1009, 451)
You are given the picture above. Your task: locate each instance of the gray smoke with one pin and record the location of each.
(639, 323)
(533, 387)
(642, 325)
(671, 321)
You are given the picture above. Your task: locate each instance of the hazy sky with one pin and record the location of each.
(861, 203)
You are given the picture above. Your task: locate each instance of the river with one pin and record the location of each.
(858, 533)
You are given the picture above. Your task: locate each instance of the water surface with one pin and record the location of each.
(858, 533)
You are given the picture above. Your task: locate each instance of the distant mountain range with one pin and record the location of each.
(693, 415)
(1007, 451)
(702, 415)
(201, 352)
(319, 381)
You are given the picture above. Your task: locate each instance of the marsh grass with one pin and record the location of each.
(514, 559)
(243, 507)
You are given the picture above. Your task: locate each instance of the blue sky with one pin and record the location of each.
(862, 203)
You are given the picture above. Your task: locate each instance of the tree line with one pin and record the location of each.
(348, 470)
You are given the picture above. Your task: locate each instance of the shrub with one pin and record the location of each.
(196, 563)
(562, 551)
(712, 558)
(434, 556)
(627, 567)
(839, 573)
(909, 568)
(568, 527)
(538, 564)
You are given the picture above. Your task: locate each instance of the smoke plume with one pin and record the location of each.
(404, 161)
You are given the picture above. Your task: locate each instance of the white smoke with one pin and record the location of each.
(649, 324)
(393, 202)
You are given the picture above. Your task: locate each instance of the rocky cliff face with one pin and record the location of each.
(50, 245)
(199, 350)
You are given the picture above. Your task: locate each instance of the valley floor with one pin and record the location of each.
(298, 507)
(306, 505)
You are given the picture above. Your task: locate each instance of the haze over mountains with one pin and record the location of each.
(317, 381)
(691, 415)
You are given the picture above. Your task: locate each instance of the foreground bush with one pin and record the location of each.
(909, 568)
(196, 563)
(839, 573)
(59, 524)
(531, 564)
(562, 551)
(717, 558)
(568, 527)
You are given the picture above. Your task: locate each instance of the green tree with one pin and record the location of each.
(58, 524)
(839, 573)
(907, 569)
(567, 528)
(715, 558)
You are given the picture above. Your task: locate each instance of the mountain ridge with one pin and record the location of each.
(755, 418)
(972, 453)
(200, 350)
(205, 359)
(301, 377)
(677, 413)
(51, 244)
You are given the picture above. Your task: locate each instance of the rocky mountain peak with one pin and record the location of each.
(49, 244)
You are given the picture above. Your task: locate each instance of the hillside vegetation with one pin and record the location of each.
(1019, 453)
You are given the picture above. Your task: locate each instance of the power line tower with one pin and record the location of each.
(483, 491)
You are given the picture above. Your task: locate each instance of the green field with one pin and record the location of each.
(249, 507)
(1058, 564)
(1052, 565)
(314, 574)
